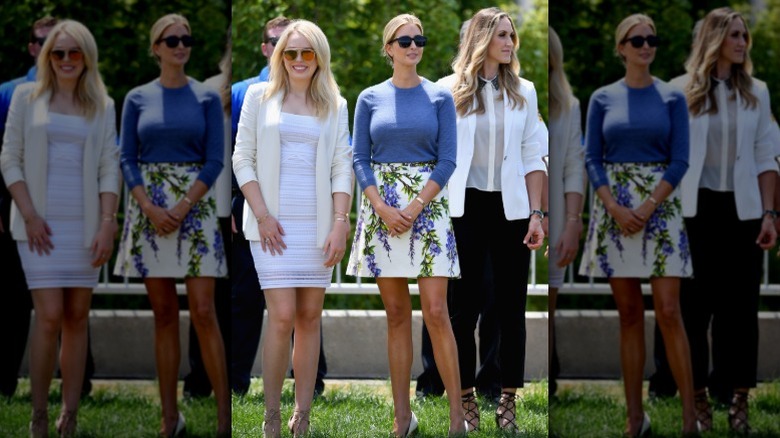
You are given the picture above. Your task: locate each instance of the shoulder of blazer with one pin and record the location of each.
(759, 86)
(26, 91)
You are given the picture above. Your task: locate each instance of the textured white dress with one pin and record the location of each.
(68, 264)
(302, 263)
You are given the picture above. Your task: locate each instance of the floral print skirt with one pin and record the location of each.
(196, 249)
(660, 250)
(427, 249)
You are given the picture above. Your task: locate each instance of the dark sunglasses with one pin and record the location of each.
(173, 41)
(306, 54)
(73, 54)
(38, 40)
(405, 42)
(639, 41)
(273, 41)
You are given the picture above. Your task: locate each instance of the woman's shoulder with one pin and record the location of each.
(607, 92)
(140, 91)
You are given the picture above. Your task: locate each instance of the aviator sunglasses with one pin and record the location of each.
(405, 41)
(306, 54)
(73, 54)
(173, 41)
(639, 41)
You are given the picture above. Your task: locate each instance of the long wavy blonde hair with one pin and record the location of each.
(703, 62)
(471, 57)
(323, 90)
(90, 93)
(561, 96)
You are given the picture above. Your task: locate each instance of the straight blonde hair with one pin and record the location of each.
(159, 27)
(392, 27)
(625, 26)
(323, 90)
(90, 93)
(471, 57)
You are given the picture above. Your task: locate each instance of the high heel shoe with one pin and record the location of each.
(179, 429)
(412, 428)
(703, 411)
(506, 415)
(470, 411)
(299, 423)
(464, 433)
(644, 429)
(738, 413)
(39, 424)
(272, 426)
(66, 424)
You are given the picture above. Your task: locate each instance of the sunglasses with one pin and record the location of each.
(305, 54)
(639, 41)
(405, 42)
(272, 41)
(173, 41)
(72, 54)
(38, 40)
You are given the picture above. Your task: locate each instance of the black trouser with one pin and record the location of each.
(484, 232)
(488, 375)
(727, 266)
(197, 383)
(15, 311)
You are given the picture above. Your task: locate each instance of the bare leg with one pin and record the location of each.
(200, 294)
(398, 306)
(433, 297)
(666, 300)
(73, 351)
(165, 304)
(276, 344)
(43, 347)
(628, 297)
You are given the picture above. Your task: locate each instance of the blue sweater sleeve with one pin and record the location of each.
(361, 142)
(214, 140)
(447, 141)
(129, 142)
(594, 143)
(679, 140)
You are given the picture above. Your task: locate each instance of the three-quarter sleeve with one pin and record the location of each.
(341, 167)
(214, 140)
(447, 140)
(594, 143)
(679, 140)
(361, 142)
(130, 142)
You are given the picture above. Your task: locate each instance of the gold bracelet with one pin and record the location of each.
(571, 217)
(341, 213)
(188, 201)
(108, 217)
(341, 219)
(420, 200)
(260, 220)
(653, 201)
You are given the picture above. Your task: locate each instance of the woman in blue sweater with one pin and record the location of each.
(404, 153)
(636, 155)
(172, 144)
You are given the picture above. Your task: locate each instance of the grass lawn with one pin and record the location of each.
(129, 408)
(364, 409)
(596, 409)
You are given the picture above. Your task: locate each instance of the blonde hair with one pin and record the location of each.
(471, 57)
(392, 27)
(323, 90)
(90, 93)
(561, 96)
(158, 28)
(625, 26)
(703, 60)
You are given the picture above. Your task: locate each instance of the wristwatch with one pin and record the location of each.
(771, 213)
(539, 213)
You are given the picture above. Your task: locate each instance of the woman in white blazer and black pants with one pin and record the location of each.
(727, 192)
(61, 164)
(495, 199)
(293, 163)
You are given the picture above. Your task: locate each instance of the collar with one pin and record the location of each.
(483, 81)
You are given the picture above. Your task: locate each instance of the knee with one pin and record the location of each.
(437, 317)
(166, 315)
(398, 315)
(631, 316)
(49, 323)
(668, 315)
(203, 315)
(282, 320)
(309, 320)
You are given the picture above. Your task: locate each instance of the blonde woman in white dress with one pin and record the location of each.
(293, 163)
(61, 164)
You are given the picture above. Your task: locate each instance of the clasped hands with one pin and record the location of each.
(399, 221)
(166, 221)
(631, 221)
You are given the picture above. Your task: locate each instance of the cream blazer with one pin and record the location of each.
(525, 141)
(567, 165)
(755, 153)
(257, 157)
(25, 157)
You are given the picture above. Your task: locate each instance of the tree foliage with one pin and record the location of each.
(354, 30)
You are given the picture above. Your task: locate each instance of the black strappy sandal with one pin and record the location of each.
(506, 415)
(470, 411)
(738, 413)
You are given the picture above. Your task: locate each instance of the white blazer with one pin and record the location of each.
(525, 140)
(755, 153)
(257, 157)
(25, 157)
